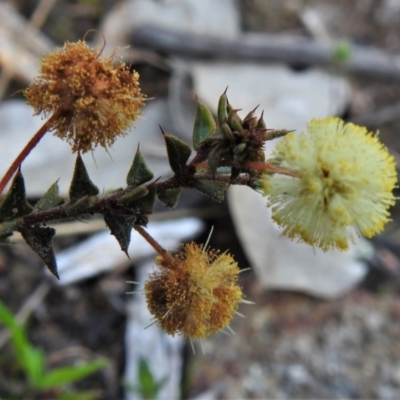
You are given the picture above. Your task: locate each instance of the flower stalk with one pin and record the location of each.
(26, 150)
(167, 259)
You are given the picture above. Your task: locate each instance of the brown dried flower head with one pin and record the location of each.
(95, 100)
(197, 294)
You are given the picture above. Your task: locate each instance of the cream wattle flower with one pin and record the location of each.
(339, 183)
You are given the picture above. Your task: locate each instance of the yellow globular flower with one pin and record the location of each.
(95, 100)
(339, 183)
(196, 294)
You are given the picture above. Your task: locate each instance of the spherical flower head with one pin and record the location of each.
(339, 183)
(95, 100)
(196, 295)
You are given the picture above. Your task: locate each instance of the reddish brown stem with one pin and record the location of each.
(169, 260)
(262, 166)
(201, 165)
(258, 165)
(26, 150)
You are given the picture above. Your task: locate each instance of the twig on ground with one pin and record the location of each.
(379, 117)
(365, 61)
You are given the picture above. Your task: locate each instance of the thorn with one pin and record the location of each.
(192, 346)
(162, 131)
(231, 330)
(226, 89)
(208, 239)
(81, 220)
(202, 346)
(148, 326)
(240, 315)
(247, 301)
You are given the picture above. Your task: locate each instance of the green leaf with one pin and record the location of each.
(148, 387)
(250, 120)
(81, 205)
(120, 226)
(139, 172)
(29, 358)
(15, 204)
(40, 241)
(214, 190)
(145, 204)
(7, 228)
(64, 375)
(273, 134)
(235, 122)
(141, 199)
(261, 123)
(222, 109)
(342, 52)
(145, 376)
(204, 124)
(169, 197)
(178, 152)
(7, 318)
(33, 365)
(227, 132)
(81, 184)
(214, 158)
(240, 148)
(50, 199)
(129, 199)
(82, 395)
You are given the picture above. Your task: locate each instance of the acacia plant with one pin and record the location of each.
(325, 186)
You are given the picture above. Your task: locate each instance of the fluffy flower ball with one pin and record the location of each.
(94, 101)
(197, 295)
(339, 182)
